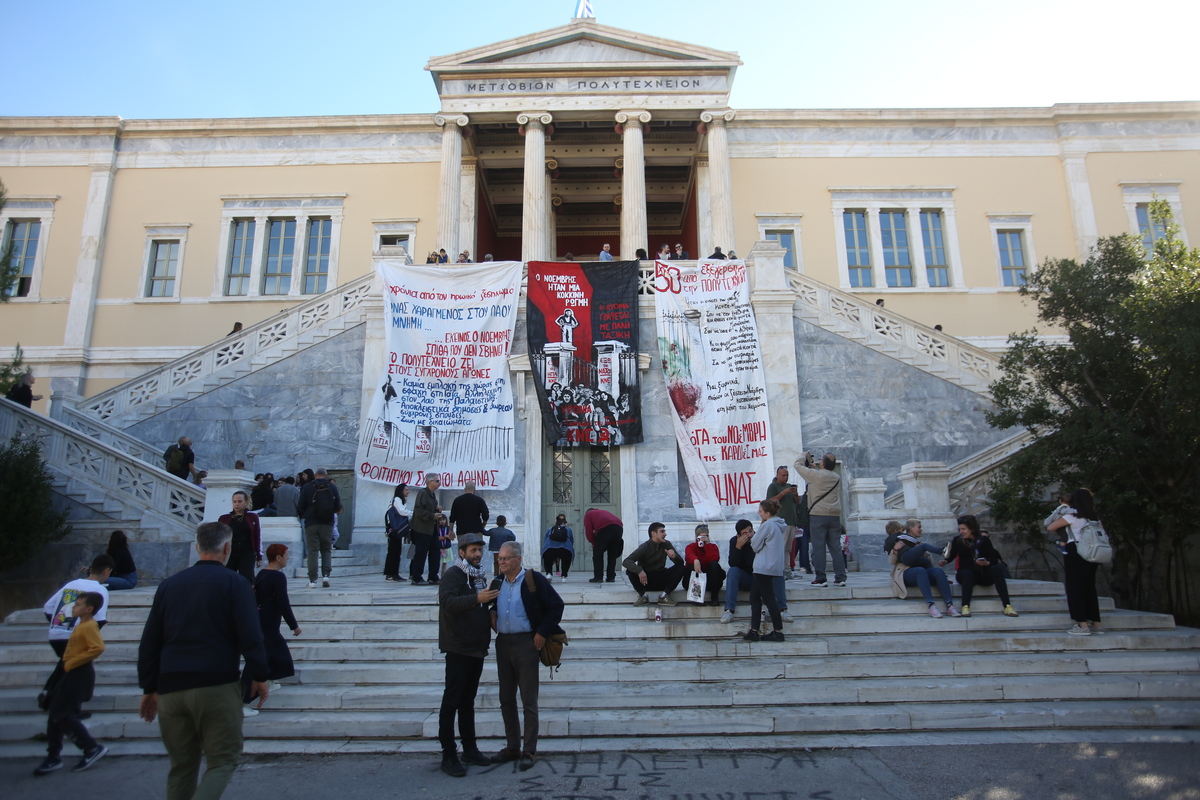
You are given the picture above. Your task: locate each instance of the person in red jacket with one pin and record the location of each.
(606, 533)
(704, 557)
(246, 550)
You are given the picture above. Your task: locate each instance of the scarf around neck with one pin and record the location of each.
(476, 576)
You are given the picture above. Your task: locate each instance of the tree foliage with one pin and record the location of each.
(1115, 409)
(29, 521)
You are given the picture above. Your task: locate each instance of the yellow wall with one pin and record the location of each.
(1107, 170)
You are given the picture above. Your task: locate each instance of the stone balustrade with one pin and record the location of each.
(63, 408)
(969, 480)
(260, 343)
(101, 471)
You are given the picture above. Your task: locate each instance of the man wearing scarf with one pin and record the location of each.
(464, 633)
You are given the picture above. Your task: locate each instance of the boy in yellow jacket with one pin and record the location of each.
(68, 694)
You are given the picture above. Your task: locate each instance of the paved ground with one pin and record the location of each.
(968, 772)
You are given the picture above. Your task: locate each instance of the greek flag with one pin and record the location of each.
(584, 10)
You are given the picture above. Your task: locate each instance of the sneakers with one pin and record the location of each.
(1079, 630)
(727, 617)
(642, 600)
(819, 582)
(786, 616)
(841, 582)
(90, 758)
(452, 766)
(966, 611)
(773, 636)
(952, 611)
(418, 581)
(752, 636)
(48, 766)
(1096, 629)
(1009, 611)
(664, 599)
(325, 582)
(247, 711)
(310, 585)
(595, 580)
(274, 686)
(933, 611)
(563, 579)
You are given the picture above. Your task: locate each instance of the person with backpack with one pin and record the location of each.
(180, 460)
(396, 524)
(558, 544)
(1079, 573)
(978, 564)
(319, 502)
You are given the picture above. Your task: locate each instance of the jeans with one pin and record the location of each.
(762, 590)
(609, 542)
(458, 699)
(427, 550)
(911, 555)
(919, 576)
(517, 666)
(800, 548)
(1080, 581)
(127, 581)
(319, 536)
(195, 722)
(827, 534)
(560, 554)
(739, 580)
(987, 576)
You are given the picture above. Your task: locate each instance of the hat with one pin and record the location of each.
(467, 539)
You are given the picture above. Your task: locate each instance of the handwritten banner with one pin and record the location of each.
(583, 345)
(444, 404)
(708, 341)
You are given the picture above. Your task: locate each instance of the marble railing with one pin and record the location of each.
(104, 470)
(977, 367)
(970, 478)
(136, 399)
(64, 412)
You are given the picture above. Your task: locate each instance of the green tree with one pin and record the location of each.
(1116, 409)
(8, 263)
(29, 521)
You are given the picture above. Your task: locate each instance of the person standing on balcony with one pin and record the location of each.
(680, 254)
(606, 253)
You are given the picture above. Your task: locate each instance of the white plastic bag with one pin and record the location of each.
(697, 587)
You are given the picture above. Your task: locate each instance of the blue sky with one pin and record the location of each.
(222, 58)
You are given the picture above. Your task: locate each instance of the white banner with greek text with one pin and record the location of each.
(708, 341)
(444, 403)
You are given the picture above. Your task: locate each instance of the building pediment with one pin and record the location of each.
(558, 68)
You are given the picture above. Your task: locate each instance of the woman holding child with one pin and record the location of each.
(911, 566)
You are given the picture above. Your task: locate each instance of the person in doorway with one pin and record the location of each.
(664, 252)
(824, 515)
(464, 635)
(647, 567)
(124, 575)
(245, 554)
(558, 545)
(704, 558)
(606, 253)
(524, 616)
(606, 533)
(271, 594)
(22, 391)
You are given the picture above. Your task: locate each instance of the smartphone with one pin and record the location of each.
(497, 582)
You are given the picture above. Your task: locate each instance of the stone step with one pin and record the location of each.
(689, 722)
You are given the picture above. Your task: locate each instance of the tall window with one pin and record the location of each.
(893, 234)
(1151, 230)
(1012, 257)
(858, 253)
(241, 253)
(933, 239)
(787, 240)
(164, 264)
(316, 269)
(23, 235)
(281, 241)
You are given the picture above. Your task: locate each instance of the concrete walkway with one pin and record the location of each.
(958, 772)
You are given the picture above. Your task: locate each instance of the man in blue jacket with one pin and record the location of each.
(526, 613)
(203, 620)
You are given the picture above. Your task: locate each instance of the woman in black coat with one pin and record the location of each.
(978, 564)
(124, 575)
(270, 591)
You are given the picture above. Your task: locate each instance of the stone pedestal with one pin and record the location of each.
(371, 499)
(282, 530)
(865, 522)
(772, 302)
(927, 498)
(535, 205)
(634, 231)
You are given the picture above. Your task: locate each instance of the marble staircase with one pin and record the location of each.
(857, 667)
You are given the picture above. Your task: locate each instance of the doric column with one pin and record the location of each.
(551, 246)
(466, 212)
(450, 189)
(704, 240)
(720, 179)
(634, 232)
(534, 209)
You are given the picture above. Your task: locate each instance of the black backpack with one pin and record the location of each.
(323, 504)
(176, 459)
(559, 533)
